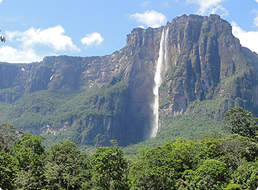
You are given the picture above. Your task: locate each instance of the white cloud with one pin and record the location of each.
(93, 38)
(210, 6)
(53, 37)
(247, 39)
(12, 55)
(25, 52)
(257, 1)
(150, 18)
(1, 1)
(141, 26)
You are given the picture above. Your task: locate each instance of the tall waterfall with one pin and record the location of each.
(161, 67)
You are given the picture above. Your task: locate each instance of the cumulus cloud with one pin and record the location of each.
(12, 55)
(53, 37)
(209, 6)
(247, 39)
(150, 18)
(93, 38)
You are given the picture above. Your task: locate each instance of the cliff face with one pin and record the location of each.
(202, 52)
(209, 62)
(202, 61)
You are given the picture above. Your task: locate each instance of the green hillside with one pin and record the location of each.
(52, 107)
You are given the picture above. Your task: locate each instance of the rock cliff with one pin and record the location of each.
(209, 63)
(202, 61)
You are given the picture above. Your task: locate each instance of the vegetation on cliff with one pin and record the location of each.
(59, 109)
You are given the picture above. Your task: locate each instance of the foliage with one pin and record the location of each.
(154, 170)
(53, 109)
(8, 136)
(246, 175)
(242, 122)
(7, 170)
(30, 156)
(66, 167)
(202, 117)
(212, 174)
(109, 169)
(179, 126)
(208, 162)
(27, 165)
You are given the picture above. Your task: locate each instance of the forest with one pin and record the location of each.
(207, 162)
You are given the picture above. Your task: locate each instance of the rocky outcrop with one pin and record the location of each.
(203, 61)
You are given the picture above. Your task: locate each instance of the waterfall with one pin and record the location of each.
(162, 63)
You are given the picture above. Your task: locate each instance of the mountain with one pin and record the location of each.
(176, 80)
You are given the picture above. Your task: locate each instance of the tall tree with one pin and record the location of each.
(246, 175)
(242, 122)
(67, 167)
(161, 167)
(7, 170)
(30, 155)
(110, 169)
(212, 174)
(8, 136)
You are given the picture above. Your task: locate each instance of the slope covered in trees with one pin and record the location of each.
(210, 162)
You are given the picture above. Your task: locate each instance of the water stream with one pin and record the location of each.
(161, 67)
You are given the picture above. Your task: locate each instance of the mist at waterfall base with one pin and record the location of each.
(161, 67)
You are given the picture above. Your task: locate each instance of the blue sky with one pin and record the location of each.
(35, 28)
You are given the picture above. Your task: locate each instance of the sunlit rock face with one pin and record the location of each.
(194, 56)
(202, 52)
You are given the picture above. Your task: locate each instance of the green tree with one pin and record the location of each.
(110, 169)
(246, 175)
(238, 150)
(242, 122)
(30, 155)
(7, 170)
(8, 136)
(162, 167)
(153, 170)
(211, 175)
(67, 167)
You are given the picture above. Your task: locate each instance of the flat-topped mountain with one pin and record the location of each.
(202, 71)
